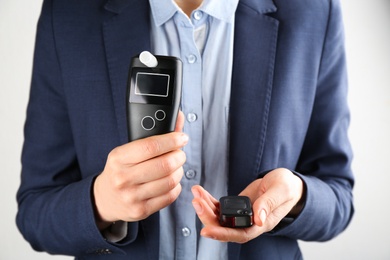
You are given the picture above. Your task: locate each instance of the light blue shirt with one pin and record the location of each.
(204, 42)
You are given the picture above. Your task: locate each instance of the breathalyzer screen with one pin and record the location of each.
(152, 84)
(235, 203)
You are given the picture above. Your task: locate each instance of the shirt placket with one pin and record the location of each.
(186, 233)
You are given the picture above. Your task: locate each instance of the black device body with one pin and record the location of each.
(153, 97)
(235, 212)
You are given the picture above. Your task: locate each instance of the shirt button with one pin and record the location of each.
(190, 174)
(198, 15)
(191, 58)
(192, 117)
(186, 231)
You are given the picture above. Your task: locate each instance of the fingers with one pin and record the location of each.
(158, 187)
(253, 190)
(146, 159)
(140, 178)
(201, 193)
(148, 148)
(157, 168)
(117, 197)
(272, 197)
(278, 192)
(236, 235)
(207, 209)
(145, 208)
(270, 204)
(205, 206)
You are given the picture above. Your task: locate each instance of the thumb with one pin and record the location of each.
(266, 209)
(179, 122)
(262, 204)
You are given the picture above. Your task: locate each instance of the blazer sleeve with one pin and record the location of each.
(325, 161)
(55, 211)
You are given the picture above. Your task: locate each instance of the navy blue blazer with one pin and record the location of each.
(288, 109)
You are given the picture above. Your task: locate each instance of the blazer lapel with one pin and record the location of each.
(253, 67)
(125, 35)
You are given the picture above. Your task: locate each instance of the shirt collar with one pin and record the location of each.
(222, 10)
(163, 10)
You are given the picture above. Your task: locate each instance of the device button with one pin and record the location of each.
(190, 174)
(191, 117)
(148, 123)
(186, 231)
(242, 212)
(160, 115)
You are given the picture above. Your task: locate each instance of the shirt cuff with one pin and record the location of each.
(116, 232)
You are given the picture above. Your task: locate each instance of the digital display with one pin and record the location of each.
(235, 203)
(152, 84)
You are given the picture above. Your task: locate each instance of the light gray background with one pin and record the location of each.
(367, 25)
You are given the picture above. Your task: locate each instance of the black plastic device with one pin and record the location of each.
(153, 95)
(235, 212)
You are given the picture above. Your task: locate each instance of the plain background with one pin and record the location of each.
(367, 25)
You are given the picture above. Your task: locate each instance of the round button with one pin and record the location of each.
(148, 123)
(160, 115)
(192, 117)
(190, 174)
(186, 231)
(191, 58)
(198, 15)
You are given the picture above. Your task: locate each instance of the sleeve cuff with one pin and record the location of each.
(116, 232)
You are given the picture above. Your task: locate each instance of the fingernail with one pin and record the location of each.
(196, 193)
(211, 237)
(204, 234)
(198, 208)
(184, 138)
(262, 216)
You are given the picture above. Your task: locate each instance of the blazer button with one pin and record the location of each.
(104, 251)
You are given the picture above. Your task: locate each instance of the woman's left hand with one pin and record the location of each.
(273, 197)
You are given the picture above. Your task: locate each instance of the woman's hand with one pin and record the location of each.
(140, 178)
(273, 197)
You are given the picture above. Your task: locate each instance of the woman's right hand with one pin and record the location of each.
(140, 178)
